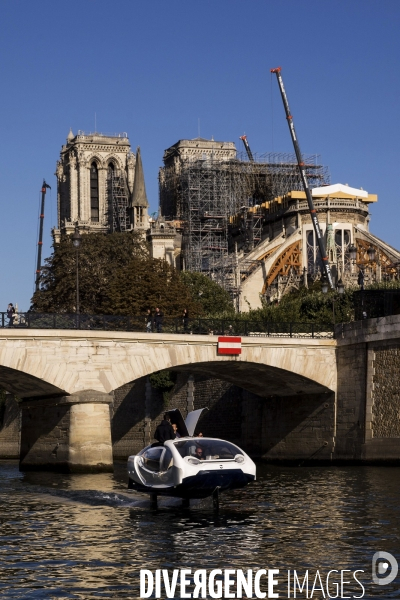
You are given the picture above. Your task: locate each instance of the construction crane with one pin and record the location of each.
(313, 212)
(247, 147)
(40, 242)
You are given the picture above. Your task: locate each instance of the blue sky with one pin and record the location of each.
(155, 68)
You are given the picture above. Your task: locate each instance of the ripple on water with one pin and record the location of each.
(88, 537)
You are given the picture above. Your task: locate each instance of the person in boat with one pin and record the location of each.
(175, 428)
(164, 430)
(198, 453)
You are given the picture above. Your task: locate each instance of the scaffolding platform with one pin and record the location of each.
(118, 202)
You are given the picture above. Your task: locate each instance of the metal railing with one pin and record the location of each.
(197, 326)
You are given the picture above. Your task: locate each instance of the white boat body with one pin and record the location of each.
(190, 467)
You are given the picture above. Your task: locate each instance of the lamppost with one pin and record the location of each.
(76, 241)
(339, 290)
(361, 270)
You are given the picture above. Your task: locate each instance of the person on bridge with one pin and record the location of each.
(185, 319)
(158, 320)
(10, 314)
(149, 321)
(164, 430)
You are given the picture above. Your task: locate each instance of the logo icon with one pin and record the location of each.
(381, 563)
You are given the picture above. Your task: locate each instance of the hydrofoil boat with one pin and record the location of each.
(188, 466)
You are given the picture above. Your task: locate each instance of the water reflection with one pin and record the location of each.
(86, 536)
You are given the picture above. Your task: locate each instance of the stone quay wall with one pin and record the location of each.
(368, 392)
(386, 391)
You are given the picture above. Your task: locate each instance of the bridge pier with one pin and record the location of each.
(67, 433)
(9, 427)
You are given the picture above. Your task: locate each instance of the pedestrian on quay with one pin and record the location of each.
(10, 314)
(149, 321)
(185, 320)
(158, 320)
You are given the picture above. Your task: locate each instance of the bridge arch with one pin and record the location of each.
(263, 380)
(22, 384)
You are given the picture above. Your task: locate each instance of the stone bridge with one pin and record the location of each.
(42, 363)
(302, 398)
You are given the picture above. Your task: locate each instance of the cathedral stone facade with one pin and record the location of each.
(100, 185)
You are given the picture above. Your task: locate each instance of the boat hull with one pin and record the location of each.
(201, 485)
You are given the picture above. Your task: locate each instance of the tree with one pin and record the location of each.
(116, 276)
(148, 283)
(163, 381)
(99, 257)
(213, 299)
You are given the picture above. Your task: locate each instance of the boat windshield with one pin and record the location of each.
(157, 459)
(207, 449)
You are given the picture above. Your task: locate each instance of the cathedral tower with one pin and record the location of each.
(95, 183)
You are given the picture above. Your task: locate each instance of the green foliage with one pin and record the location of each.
(148, 283)
(308, 305)
(99, 257)
(163, 381)
(116, 276)
(213, 299)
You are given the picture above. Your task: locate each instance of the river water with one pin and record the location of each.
(87, 536)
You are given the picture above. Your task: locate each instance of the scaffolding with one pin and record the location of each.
(118, 201)
(208, 199)
(284, 174)
(268, 176)
(206, 193)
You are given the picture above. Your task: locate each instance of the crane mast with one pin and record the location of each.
(40, 242)
(247, 147)
(313, 212)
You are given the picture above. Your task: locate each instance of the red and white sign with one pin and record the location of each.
(229, 345)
